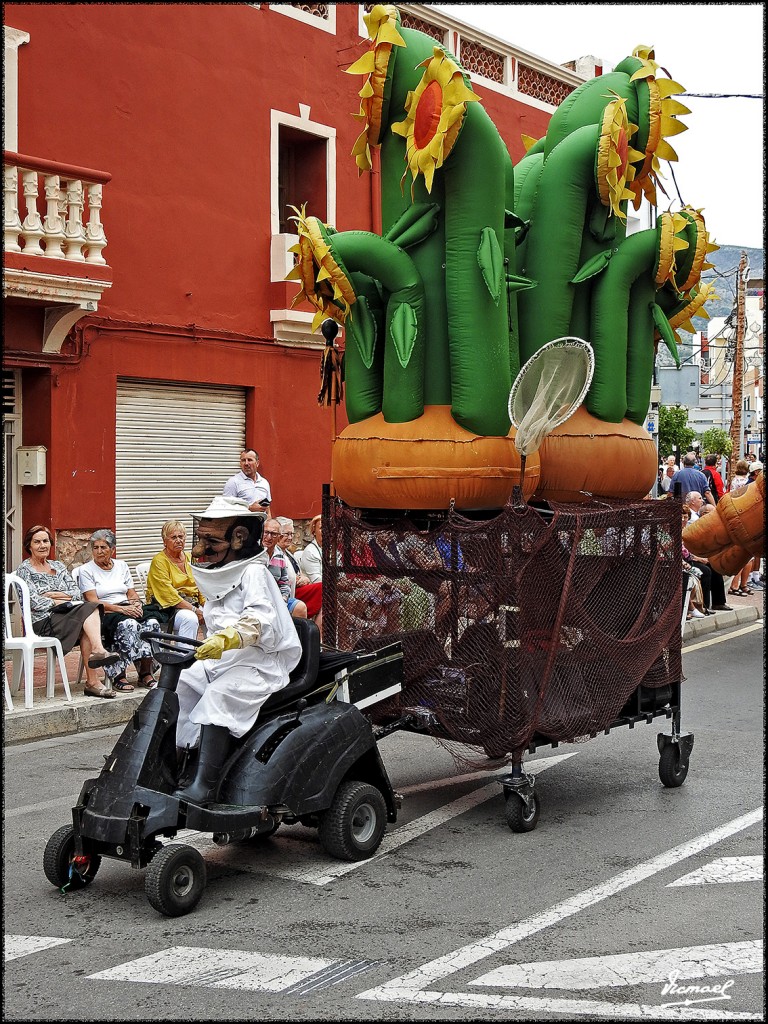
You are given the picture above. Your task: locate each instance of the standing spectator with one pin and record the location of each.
(277, 564)
(692, 479)
(249, 485)
(740, 477)
(666, 478)
(312, 556)
(712, 583)
(714, 479)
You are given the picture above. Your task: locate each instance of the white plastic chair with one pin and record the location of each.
(27, 644)
(8, 701)
(75, 574)
(142, 571)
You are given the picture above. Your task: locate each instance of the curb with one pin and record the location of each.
(55, 716)
(721, 620)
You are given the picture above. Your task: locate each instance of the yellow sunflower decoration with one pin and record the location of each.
(703, 246)
(671, 228)
(324, 283)
(682, 320)
(615, 157)
(660, 119)
(436, 109)
(382, 29)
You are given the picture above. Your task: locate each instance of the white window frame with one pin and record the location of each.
(292, 326)
(13, 38)
(324, 24)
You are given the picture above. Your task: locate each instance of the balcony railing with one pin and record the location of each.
(54, 255)
(54, 224)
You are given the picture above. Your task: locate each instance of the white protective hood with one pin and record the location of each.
(216, 583)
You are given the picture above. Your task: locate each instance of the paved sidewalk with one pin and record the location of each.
(55, 716)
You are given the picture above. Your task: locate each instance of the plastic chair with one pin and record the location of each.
(8, 701)
(142, 571)
(75, 573)
(27, 644)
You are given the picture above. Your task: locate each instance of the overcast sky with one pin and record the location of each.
(713, 49)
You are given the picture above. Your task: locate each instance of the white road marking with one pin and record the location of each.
(306, 863)
(569, 1007)
(724, 869)
(234, 969)
(721, 638)
(46, 805)
(410, 985)
(654, 965)
(17, 946)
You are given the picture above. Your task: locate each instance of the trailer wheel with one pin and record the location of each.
(672, 768)
(519, 817)
(353, 826)
(61, 865)
(175, 880)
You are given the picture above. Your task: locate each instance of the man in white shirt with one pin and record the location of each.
(249, 485)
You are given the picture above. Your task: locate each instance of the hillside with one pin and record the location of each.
(725, 265)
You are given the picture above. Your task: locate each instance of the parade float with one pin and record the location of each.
(538, 596)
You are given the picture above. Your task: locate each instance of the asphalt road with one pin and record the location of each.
(628, 900)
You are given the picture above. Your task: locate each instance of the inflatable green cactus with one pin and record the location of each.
(481, 263)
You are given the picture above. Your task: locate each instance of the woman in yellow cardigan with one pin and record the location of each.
(171, 591)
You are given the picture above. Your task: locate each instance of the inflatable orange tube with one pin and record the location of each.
(733, 532)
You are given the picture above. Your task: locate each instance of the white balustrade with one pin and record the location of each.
(94, 232)
(11, 219)
(53, 224)
(32, 228)
(74, 229)
(61, 233)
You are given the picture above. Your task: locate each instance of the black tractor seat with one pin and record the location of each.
(303, 679)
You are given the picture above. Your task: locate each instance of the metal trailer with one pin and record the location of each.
(653, 693)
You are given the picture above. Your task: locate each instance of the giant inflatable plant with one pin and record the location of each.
(482, 263)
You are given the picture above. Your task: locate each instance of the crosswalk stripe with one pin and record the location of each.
(724, 869)
(655, 965)
(235, 969)
(17, 946)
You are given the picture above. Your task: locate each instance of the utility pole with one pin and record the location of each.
(738, 363)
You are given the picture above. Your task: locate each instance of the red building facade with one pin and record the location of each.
(152, 152)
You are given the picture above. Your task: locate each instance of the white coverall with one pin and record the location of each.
(230, 692)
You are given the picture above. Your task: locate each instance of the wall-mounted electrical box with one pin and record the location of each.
(30, 464)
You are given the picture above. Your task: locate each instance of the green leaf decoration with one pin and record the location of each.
(665, 330)
(518, 283)
(402, 328)
(491, 261)
(363, 330)
(414, 225)
(595, 265)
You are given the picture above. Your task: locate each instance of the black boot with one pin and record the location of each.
(214, 747)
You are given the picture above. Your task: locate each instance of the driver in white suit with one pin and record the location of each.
(251, 647)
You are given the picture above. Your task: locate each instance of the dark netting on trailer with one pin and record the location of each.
(533, 622)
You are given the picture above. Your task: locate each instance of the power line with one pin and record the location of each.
(725, 95)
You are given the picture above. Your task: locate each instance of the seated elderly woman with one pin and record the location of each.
(108, 580)
(172, 595)
(58, 609)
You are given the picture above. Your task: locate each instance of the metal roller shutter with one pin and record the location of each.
(176, 445)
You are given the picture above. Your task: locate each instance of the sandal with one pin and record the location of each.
(746, 591)
(734, 593)
(147, 681)
(101, 692)
(122, 685)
